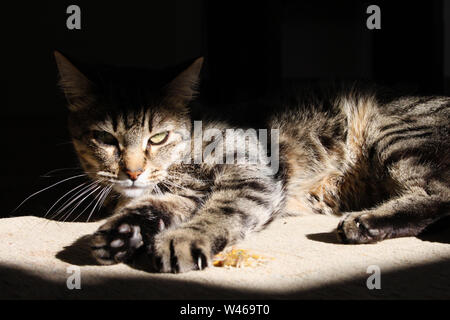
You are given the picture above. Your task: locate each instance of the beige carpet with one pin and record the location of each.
(306, 262)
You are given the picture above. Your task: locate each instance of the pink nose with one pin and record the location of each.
(133, 174)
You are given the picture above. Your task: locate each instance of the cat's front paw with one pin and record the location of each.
(115, 244)
(120, 239)
(358, 228)
(181, 250)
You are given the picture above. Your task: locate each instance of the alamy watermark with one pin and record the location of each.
(74, 279)
(374, 280)
(231, 146)
(74, 20)
(374, 20)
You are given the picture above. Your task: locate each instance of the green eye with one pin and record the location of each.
(159, 138)
(104, 137)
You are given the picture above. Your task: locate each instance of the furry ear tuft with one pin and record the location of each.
(183, 88)
(75, 85)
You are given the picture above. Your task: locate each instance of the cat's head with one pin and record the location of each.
(128, 128)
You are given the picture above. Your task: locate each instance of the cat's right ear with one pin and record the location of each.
(75, 85)
(183, 88)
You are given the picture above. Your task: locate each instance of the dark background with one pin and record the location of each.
(251, 48)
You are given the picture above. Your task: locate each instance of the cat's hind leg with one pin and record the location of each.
(407, 215)
(423, 198)
(420, 169)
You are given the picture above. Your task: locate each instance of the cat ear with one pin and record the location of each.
(76, 85)
(184, 87)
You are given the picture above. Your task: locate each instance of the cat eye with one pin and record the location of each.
(104, 137)
(159, 138)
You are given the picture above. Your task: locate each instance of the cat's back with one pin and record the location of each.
(415, 112)
(412, 128)
(361, 118)
(350, 140)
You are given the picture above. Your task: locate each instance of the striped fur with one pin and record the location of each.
(383, 166)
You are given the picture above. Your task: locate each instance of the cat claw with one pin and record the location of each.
(161, 225)
(199, 263)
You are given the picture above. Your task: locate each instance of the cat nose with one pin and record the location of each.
(133, 175)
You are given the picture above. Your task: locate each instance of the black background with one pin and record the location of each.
(251, 48)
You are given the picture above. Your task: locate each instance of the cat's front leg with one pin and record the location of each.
(227, 217)
(133, 228)
(125, 234)
(186, 248)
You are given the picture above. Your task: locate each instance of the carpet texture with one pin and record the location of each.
(305, 261)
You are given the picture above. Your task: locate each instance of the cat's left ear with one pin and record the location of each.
(76, 86)
(183, 88)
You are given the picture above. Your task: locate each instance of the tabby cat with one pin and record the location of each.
(383, 165)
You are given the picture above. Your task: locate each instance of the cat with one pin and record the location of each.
(383, 165)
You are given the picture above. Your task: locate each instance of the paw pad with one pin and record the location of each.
(116, 244)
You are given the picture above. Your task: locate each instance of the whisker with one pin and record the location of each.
(90, 203)
(63, 174)
(81, 191)
(96, 204)
(175, 185)
(67, 215)
(66, 194)
(158, 190)
(42, 190)
(168, 183)
(104, 198)
(47, 175)
(166, 186)
(99, 199)
(76, 196)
